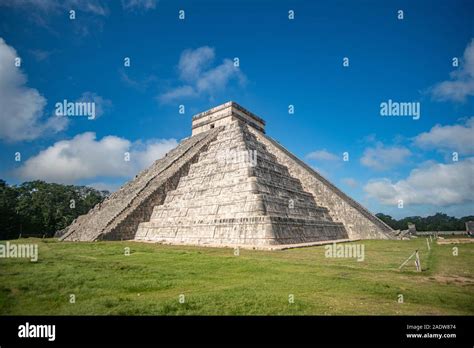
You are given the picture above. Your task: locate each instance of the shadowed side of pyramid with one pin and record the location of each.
(359, 222)
(229, 184)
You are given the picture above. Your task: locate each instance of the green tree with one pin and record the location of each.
(9, 219)
(38, 208)
(437, 222)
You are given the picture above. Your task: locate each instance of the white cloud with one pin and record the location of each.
(96, 7)
(199, 78)
(177, 93)
(322, 155)
(146, 153)
(384, 158)
(141, 84)
(350, 182)
(139, 4)
(84, 157)
(128, 80)
(461, 84)
(102, 105)
(458, 138)
(217, 78)
(40, 55)
(433, 184)
(90, 14)
(21, 112)
(192, 62)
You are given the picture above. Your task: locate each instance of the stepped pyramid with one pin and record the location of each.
(229, 184)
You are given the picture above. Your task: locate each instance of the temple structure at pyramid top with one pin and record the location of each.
(229, 184)
(223, 115)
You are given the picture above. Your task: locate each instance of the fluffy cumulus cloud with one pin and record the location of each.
(381, 157)
(85, 157)
(145, 153)
(192, 62)
(322, 155)
(461, 82)
(200, 77)
(435, 184)
(21, 112)
(459, 138)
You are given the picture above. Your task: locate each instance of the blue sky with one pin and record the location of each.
(282, 62)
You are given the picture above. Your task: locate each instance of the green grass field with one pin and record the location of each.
(216, 282)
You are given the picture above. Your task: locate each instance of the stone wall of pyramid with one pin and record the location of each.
(359, 222)
(228, 184)
(228, 198)
(118, 216)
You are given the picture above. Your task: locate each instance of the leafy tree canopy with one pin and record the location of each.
(437, 222)
(38, 208)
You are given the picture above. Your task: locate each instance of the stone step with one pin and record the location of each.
(233, 191)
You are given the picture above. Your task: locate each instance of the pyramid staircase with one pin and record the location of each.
(229, 184)
(231, 196)
(118, 216)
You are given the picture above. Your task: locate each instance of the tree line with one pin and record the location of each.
(437, 222)
(40, 208)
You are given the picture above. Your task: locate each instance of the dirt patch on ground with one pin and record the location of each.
(453, 279)
(455, 241)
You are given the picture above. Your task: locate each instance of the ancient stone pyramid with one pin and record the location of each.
(228, 184)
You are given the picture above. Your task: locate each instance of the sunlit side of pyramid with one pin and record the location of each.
(229, 184)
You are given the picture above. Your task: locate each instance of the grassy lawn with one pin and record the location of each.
(214, 281)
